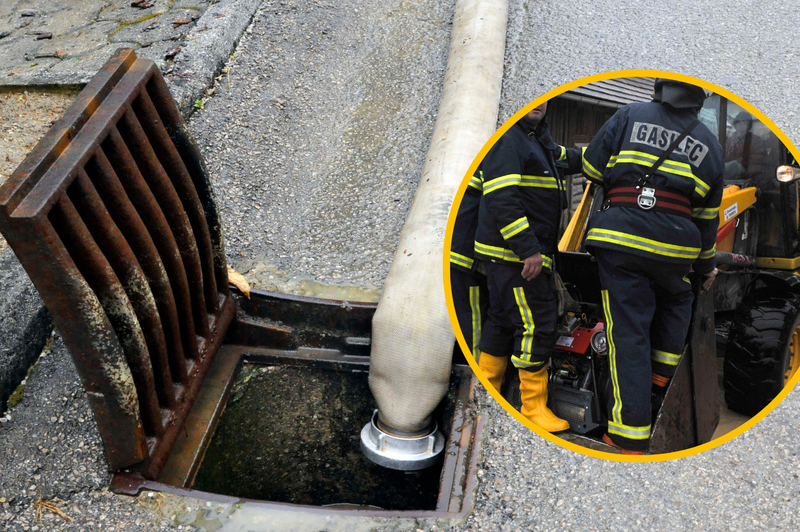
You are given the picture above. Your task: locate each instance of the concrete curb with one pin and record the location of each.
(203, 53)
(206, 49)
(25, 325)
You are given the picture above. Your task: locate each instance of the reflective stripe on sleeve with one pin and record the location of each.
(705, 214)
(496, 252)
(507, 254)
(709, 253)
(461, 260)
(476, 183)
(514, 228)
(563, 154)
(644, 244)
(588, 169)
(539, 181)
(501, 182)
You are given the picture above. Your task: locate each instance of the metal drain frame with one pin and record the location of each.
(113, 217)
(310, 333)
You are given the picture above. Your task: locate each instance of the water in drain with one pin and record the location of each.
(291, 434)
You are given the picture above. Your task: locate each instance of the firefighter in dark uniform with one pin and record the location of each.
(651, 231)
(521, 205)
(467, 275)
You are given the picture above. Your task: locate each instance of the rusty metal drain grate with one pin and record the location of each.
(113, 217)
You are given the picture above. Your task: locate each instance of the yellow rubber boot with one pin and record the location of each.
(494, 368)
(533, 392)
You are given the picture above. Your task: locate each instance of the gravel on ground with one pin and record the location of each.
(25, 116)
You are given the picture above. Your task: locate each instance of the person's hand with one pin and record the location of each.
(710, 276)
(532, 267)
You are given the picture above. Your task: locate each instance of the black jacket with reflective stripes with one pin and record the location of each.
(624, 150)
(522, 195)
(462, 247)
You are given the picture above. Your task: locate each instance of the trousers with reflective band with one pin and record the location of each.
(522, 316)
(471, 302)
(647, 305)
(663, 200)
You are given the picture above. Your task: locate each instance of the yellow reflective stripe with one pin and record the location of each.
(590, 170)
(541, 181)
(518, 362)
(527, 321)
(612, 357)
(666, 166)
(627, 431)
(475, 306)
(563, 154)
(500, 253)
(507, 254)
(705, 214)
(670, 359)
(686, 280)
(648, 157)
(461, 260)
(645, 244)
(514, 227)
(476, 182)
(501, 182)
(709, 253)
(669, 166)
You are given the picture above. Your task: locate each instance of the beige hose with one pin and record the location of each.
(412, 336)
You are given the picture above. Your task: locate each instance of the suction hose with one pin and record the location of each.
(412, 339)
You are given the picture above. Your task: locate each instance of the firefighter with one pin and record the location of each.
(520, 208)
(467, 275)
(653, 228)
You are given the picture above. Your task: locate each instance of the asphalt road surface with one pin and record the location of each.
(750, 483)
(318, 138)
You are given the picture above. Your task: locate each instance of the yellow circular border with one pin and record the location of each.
(449, 237)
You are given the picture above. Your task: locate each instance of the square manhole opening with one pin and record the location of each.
(291, 434)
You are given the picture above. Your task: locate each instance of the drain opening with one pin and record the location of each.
(291, 434)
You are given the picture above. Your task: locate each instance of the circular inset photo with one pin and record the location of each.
(622, 265)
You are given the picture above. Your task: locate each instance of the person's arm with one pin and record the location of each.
(598, 152)
(706, 218)
(570, 160)
(502, 174)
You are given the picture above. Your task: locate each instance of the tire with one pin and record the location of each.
(763, 351)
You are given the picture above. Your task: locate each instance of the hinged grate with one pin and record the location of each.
(113, 217)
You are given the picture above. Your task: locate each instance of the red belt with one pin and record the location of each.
(649, 199)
